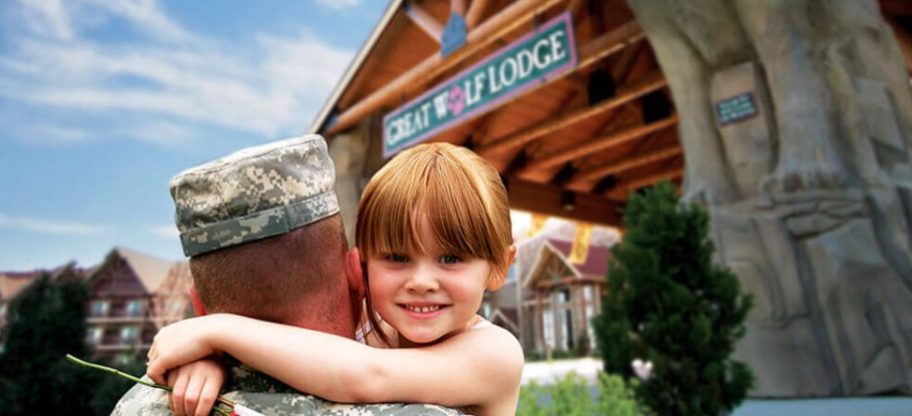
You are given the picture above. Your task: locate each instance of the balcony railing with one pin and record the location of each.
(117, 319)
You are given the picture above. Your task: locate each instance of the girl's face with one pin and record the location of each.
(427, 297)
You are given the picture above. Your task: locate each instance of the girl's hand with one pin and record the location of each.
(181, 343)
(195, 387)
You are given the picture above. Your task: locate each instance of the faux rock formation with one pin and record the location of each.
(796, 124)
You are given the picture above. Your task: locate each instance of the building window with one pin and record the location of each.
(134, 307)
(100, 308)
(94, 335)
(129, 333)
(587, 293)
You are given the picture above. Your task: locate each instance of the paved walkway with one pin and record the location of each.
(588, 368)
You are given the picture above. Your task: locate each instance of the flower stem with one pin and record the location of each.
(115, 371)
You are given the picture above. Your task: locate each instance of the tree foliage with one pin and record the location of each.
(668, 304)
(46, 321)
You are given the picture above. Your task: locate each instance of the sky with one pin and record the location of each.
(103, 101)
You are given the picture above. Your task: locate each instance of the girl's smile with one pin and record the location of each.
(428, 296)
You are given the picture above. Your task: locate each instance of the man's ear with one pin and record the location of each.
(198, 306)
(355, 274)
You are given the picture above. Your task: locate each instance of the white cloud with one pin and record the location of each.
(340, 4)
(52, 135)
(147, 16)
(164, 231)
(45, 226)
(178, 79)
(47, 18)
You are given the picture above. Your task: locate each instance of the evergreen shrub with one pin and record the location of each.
(668, 304)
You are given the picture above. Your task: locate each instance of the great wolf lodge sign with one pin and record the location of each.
(511, 70)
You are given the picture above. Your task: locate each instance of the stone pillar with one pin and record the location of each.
(796, 124)
(356, 156)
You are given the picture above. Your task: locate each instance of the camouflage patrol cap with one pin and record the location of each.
(254, 193)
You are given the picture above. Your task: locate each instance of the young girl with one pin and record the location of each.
(434, 230)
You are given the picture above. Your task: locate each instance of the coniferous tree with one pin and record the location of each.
(668, 304)
(46, 321)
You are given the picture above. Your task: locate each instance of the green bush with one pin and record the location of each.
(666, 303)
(47, 321)
(571, 395)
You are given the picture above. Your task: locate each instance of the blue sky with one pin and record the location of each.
(103, 101)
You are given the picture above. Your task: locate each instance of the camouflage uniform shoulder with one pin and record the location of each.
(271, 397)
(143, 401)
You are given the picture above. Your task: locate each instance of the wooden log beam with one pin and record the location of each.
(620, 192)
(610, 43)
(546, 199)
(550, 125)
(599, 143)
(635, 162)
(424, 20)
(476, 10)
(576, 9)
(494, 28)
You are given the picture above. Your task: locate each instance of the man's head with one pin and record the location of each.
(265, 240)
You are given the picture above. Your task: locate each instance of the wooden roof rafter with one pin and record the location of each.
(595, 144)
(548, 126)
(424, 20)
(475, 13)
(620, 192)
(634, 162)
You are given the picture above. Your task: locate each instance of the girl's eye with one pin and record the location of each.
(449, 259)
(397, 258)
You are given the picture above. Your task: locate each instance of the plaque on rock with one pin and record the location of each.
(735, 109)
(741, 107)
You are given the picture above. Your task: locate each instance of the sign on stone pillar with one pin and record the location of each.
(741, 107)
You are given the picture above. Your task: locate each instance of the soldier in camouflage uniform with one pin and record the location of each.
(249, 197)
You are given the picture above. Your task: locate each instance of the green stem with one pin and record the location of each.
(115, 371)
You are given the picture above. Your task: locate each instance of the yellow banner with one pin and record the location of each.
(537, 224)
(580, 248)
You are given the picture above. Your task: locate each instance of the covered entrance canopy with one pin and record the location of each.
(573, 142)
